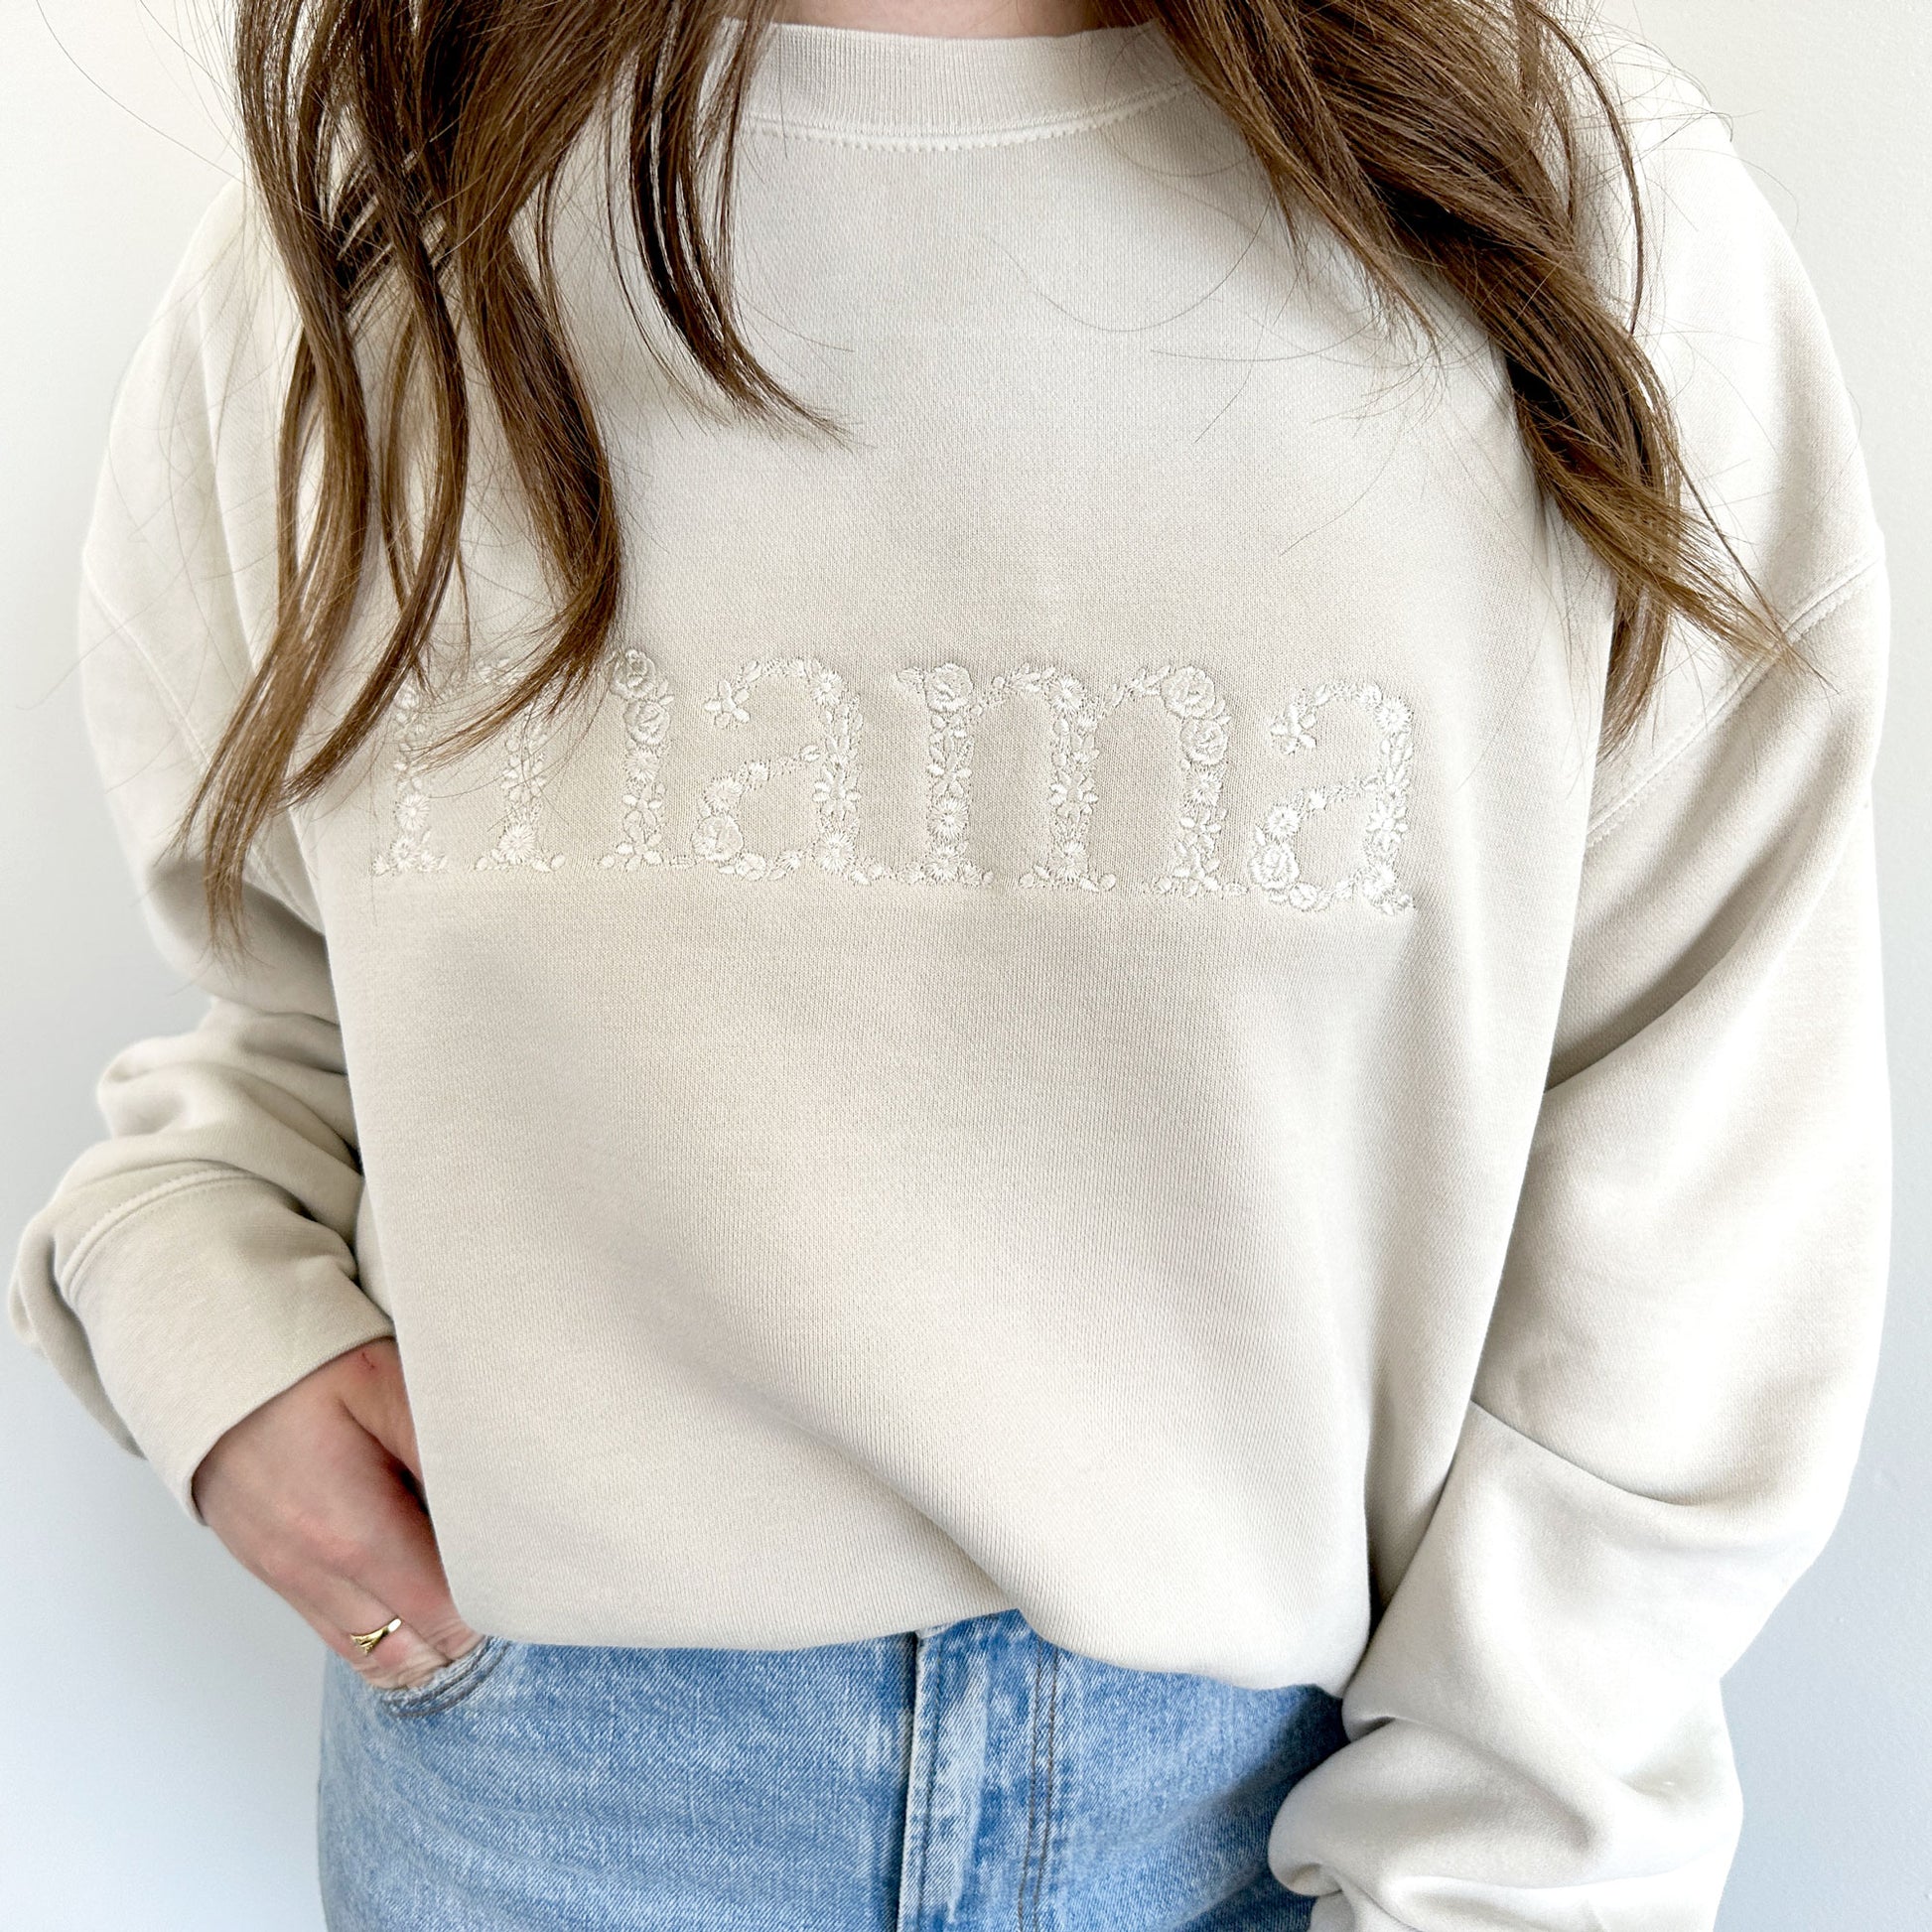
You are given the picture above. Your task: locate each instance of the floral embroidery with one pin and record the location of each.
(647, 701)
(950, 714)
(1189, 694)
(954, 708)
(410, 850)
(1274, 865)
(717, 836)
(1071, 796)
(522, 779)
(727, 704)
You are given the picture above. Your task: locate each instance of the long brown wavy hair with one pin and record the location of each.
(396, 144)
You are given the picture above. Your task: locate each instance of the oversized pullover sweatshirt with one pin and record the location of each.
(1082, 1021)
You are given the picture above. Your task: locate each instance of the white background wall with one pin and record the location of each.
(157, 1705)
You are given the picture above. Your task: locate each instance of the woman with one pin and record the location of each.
(1083, 807)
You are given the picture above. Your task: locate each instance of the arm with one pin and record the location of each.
(200, 1256)
(194, 1277)
(1675, 1381)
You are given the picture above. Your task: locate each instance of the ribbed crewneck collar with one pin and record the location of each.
(886, 89)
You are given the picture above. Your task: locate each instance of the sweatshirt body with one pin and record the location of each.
(1079, 1017)
(1009, 1028)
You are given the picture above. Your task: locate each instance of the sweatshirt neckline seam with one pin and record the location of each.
(1046, 127)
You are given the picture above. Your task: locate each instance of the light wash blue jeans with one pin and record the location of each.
(971, 1777)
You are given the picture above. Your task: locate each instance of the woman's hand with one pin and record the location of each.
(312, 1492)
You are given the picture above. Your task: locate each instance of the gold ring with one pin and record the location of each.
(374, 1637)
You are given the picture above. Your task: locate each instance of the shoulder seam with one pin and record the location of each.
(91, 587)
(1812, 610)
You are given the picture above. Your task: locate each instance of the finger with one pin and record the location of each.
(401, 1565)
(334, 1609)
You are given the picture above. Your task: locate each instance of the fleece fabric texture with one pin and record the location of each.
(1080, 1023)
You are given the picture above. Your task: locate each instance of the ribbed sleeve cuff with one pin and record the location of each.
(202, 1300)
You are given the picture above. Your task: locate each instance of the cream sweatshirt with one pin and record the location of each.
(1079, 1025)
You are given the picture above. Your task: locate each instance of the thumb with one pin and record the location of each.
(373, 1393)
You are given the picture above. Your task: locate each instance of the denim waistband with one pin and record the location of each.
(967, 1775)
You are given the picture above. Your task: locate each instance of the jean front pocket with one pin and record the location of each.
(447, 1685)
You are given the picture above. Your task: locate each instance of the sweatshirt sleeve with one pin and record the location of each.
(200, 1256)
(1675, 1379)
